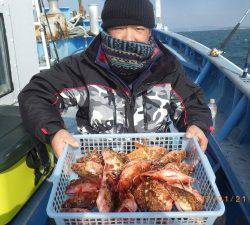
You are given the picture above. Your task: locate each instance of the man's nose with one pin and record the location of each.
(129, 35)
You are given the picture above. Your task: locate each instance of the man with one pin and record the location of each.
(126, 81)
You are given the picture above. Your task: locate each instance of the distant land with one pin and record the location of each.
(204, 28)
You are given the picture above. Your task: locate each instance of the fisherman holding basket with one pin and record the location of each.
(125, 81)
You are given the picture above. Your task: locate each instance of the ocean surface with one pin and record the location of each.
(235, 51)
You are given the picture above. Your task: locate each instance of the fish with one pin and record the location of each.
(168, 175)
(131, 173)
(127, 203)
(105, 199)
(80, 186)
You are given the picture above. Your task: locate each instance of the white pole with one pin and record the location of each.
(158, 14)
(93, 16)
(53, 7)
(44, 43)
(158, 9)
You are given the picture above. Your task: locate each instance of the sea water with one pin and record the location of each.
(236, 49)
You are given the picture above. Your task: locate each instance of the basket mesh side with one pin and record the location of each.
(202, 184)
(63, 182)
(124, 144)
(158, 221)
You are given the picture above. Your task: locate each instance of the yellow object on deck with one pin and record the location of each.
(24, 163)
(17, 184)
(215, 52)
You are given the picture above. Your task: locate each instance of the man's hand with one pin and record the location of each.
(194, 131)
(60, 139)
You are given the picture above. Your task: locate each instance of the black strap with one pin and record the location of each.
(38, 159)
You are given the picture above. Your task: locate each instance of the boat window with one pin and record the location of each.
(5, 74)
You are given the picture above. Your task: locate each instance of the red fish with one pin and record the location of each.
(173, 156)
(80, 186)
(93, 156)
(81, 210)
(88, 169)
(170, 176)
(153, 196)
(81, 201)
(132, 172)
(104, 200)
(128, 203)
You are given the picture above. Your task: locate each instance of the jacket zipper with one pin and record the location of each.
(130, 104)
(129, 97)
(145, 111)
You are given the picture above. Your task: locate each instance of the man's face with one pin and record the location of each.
(131, 33)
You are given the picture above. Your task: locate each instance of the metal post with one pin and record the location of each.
(53, 7)
(246, 125)
(170, 42)
(81, 8)
(233, 119)
(205, 70)
(247, 64)
(187, 50)
(158, 14)
(93, 16)
(237, 97)
(44, 42)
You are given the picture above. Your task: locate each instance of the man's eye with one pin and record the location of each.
(140, 28)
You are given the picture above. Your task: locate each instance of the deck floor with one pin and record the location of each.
(238, 157)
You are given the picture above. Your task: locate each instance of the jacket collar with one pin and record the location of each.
(93, 48)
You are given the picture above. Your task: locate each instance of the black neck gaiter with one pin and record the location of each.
(127, 59)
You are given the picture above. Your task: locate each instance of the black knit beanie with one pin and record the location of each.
(128, 12)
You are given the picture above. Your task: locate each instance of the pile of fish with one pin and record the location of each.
(150, 178)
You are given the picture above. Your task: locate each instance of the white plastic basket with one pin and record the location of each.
(205, 182)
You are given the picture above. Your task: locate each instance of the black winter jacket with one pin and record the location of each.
(162, 97)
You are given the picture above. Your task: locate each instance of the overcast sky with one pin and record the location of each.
(193, 14)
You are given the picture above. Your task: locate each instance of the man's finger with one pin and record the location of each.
(72, 141)
(203, 141)
(203, 144)
(201, 138)
(58, 148)
(189, 135)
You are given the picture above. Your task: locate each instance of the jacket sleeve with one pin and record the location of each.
(40, 101)
(191, 109)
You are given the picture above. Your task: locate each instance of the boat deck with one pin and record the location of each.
(237, 156)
